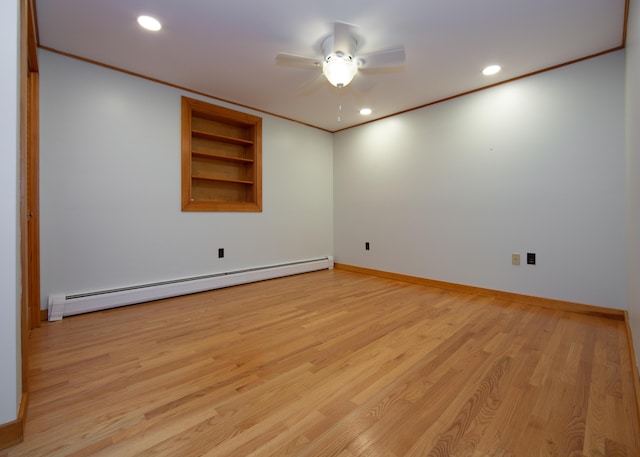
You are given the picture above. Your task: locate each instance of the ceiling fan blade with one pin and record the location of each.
(313, 85)
(360, 87)
(345, 38)
(294, 60)
(389, 58)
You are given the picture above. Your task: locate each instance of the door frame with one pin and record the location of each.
(29, 181)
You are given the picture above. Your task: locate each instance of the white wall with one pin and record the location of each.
(10, 290)
(633, 168)
(110, 187)
(448, 192)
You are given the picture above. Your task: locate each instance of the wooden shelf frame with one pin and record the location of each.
(221, 158)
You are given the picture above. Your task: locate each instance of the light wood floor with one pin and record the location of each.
(332, 363)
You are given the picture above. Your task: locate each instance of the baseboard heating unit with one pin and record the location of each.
(61, 305)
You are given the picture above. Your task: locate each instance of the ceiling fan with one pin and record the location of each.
(340, 61)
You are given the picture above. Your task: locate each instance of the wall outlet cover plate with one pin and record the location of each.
(515, 259)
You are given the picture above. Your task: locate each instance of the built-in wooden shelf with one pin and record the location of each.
(211, 178)
(221, 158)
(208, 155)
(215, 137)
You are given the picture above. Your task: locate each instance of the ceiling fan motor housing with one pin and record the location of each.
(329, 49)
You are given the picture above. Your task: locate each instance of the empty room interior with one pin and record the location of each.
(319, 228)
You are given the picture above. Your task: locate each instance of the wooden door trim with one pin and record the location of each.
(12, 433)
(33, 200)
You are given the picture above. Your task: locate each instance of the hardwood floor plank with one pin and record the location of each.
(331, 363)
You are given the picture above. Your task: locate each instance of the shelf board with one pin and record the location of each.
(223, 138)
(208, 155)
(210, 178)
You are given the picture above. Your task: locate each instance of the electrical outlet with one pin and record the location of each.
(366, 246)
(515, 259)
(531, 258)
(220, 253)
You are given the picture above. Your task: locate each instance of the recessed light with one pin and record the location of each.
(365, 111)
(149, 23)
(491, 70)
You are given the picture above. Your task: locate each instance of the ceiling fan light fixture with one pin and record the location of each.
(339, 70)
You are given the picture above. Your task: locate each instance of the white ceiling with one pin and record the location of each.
(227, 49)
